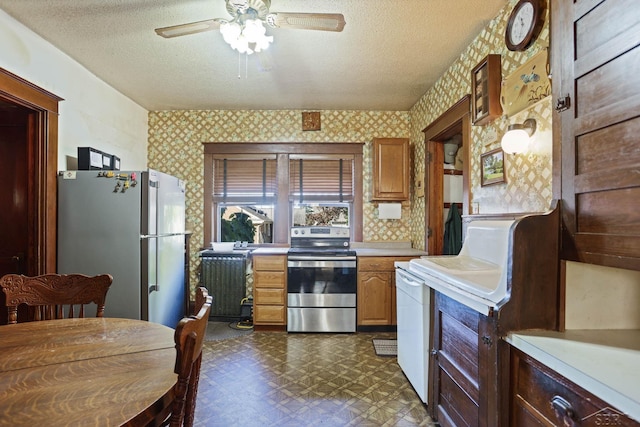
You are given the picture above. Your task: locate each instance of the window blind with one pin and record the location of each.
(329, 180)
(244, 180)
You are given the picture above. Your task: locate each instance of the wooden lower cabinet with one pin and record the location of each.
(270, 290)
(463, 366)
(377, 290)
(542, 397)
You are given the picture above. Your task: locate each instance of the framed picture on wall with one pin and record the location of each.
(492, 167)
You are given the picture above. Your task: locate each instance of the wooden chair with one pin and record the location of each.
(48, 294)
(189, 337)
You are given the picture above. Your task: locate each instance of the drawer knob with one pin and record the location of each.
(562, 407)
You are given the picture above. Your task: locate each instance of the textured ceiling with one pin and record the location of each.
(389, 54)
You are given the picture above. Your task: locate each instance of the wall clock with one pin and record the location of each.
(524, 24)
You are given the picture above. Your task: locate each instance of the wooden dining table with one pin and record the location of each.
(85, 372)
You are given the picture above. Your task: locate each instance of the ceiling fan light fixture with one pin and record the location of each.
(248, 37)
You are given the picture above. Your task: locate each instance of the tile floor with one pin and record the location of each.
(280, 379)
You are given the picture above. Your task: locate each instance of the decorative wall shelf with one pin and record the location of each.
(486, 79)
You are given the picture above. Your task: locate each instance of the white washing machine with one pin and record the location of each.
(412, 299)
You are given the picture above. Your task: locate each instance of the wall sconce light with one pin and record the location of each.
(517, 137)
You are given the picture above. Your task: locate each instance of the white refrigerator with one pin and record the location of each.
(130, 224)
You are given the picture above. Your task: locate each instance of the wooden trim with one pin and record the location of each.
(210, 223)
(43, 154)
(448, 118)
(25, 93)
(279, 148)
(456, 119)
(358, 195)
(282, 222)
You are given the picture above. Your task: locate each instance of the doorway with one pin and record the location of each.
(14, 193)
(28, 167)
(453, 126)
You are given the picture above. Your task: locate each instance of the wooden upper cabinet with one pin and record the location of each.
(391, 169)
(596, 130)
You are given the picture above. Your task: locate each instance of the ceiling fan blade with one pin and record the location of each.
(307, 21)
(191, 28)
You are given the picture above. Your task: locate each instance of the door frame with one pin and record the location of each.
(43, 160)
(456, 120)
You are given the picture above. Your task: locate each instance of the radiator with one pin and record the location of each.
(223, 274)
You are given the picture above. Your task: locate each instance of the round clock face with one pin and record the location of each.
(522, 23)
(525, 22)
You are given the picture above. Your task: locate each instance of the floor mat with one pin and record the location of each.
(385, 347)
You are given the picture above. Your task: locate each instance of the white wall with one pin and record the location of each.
(93, 114)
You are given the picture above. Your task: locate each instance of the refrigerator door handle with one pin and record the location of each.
(152, 242)
(153, 234)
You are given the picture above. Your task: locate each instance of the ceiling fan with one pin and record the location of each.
(245, 32)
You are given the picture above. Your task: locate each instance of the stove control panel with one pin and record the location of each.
(320, 232)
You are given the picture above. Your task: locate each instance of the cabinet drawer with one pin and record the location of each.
(268, 296)
(269, 279)
(535, 387)
(269, 314)
(376, 263)
(274, 263)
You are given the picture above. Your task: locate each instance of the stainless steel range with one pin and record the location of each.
(321, 281)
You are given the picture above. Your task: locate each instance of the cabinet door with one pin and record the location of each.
(466, 367)
(391, 169)
(456, 376)
(374, 298)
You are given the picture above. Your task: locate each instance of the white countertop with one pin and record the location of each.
(603, 362)
(271, 250)
(404, 252)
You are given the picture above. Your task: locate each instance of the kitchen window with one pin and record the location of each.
(269, 186)
(321, 190)
(244, 191)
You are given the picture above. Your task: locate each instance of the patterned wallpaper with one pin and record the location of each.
(176, 138)
(528, 175)
(176, 147)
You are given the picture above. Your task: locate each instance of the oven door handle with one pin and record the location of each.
(320, 258)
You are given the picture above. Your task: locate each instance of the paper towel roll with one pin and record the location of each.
(389, 210)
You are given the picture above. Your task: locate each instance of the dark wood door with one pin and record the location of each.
(595, 58)
(15, 200)
(14, 197)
